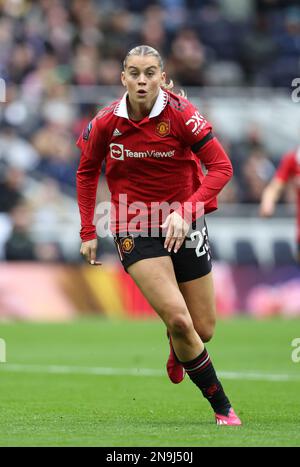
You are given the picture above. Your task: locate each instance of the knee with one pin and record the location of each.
(180, 325)
(206, 331)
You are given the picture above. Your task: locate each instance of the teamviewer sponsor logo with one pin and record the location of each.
(151, 154)
(117, 151)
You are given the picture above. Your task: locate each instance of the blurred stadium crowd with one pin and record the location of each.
(49, 48)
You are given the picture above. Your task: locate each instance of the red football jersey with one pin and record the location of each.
(289, 169)
(151, 161)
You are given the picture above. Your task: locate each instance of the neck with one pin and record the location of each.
(139, 111)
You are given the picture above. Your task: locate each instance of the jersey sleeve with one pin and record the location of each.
(193, 126)
(219, 172)
(286, 168)
(197, 133)
(92, 146)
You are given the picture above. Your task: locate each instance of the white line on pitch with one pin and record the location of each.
(106, 371)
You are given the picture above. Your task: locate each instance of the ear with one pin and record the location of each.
(163, 77)
(123, 79)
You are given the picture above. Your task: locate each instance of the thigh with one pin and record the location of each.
(200, 300)
(156, 279)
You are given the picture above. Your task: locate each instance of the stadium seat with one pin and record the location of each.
(245, 254)
(282, 252)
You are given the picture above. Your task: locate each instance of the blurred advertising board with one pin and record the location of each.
(56, 292)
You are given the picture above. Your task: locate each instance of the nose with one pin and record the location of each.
(142, 79)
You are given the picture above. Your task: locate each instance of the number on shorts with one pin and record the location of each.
(202, 248)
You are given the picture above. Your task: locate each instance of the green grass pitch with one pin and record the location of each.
(102, 383)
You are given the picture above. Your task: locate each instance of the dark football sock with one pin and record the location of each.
(202, 373)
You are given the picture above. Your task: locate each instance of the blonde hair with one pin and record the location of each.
(143, 50)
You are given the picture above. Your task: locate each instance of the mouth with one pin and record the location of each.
(141, 92)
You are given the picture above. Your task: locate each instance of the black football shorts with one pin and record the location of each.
(192, 260)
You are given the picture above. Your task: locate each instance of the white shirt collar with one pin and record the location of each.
(159, 105)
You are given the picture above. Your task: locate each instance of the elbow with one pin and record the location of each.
(225, 163)
(229, 170)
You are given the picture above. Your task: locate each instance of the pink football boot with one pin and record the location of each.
(175, 370)
(231, 419)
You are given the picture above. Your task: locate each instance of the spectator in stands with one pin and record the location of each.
(57, 159)
(10, 188)
(187, 59)
(15, 150)
(257, 172)
(257, 50)
(19, 246)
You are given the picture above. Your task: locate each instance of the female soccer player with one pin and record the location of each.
(289, 169)
(153, 142)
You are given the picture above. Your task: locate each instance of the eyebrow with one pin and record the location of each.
(148, 68)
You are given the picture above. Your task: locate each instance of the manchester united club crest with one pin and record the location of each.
(127, 244)
(163, 128)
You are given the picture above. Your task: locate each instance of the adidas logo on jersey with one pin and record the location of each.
(117, 132)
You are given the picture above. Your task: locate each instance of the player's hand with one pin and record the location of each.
(89, 250)
(266, 208)
(177, 228)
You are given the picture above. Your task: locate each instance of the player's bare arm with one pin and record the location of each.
(270, 197)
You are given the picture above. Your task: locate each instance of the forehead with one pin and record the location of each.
(142, 61)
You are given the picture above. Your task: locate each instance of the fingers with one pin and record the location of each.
(88, 257)
(176, 240)
(89, 251)
(178, 243)
(166, 223)
(86, 253)
(169, 237)
(177, 229)
(264, 213)
(170, 244)
(95, 263)
(266, 208)
(92, 255)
